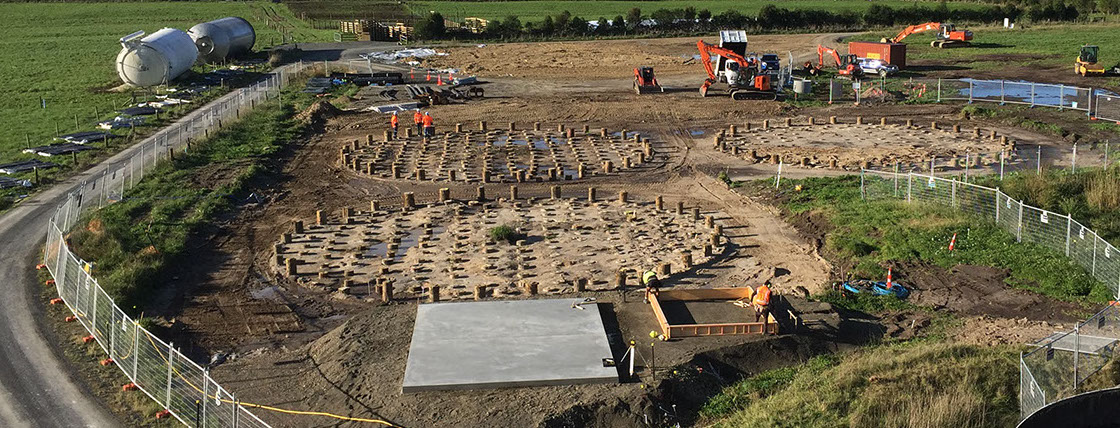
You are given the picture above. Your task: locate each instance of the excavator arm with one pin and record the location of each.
(915, 29)
(822, 51)
(706, 51)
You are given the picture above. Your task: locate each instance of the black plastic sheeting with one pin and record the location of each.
(87, 137)
(58, 149)
(24, 166)
(139, 111)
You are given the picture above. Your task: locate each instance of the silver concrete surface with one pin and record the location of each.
(513, 343)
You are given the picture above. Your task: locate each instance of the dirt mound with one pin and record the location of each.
(318, 113)
(980, 290)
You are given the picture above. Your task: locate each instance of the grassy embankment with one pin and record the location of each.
(131, 242)
(63, 53)
(930, 381)
(1091, 196)
(870, 235)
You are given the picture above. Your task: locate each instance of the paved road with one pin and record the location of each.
(37, 387)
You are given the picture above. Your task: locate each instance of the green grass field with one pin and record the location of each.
(926, 383)
(535, 10)
(1035, 46)
(870, 235)
(64, 53)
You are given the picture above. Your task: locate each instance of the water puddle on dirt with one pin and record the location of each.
(695, 132)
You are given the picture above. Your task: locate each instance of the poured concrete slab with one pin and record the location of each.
(472, 345)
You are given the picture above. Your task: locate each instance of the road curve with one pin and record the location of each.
(37, 387)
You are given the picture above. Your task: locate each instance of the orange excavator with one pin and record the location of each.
(846, 66)
(744, 78)
(947, 35)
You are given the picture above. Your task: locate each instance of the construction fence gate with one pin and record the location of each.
(181, 386)
(1059, 364)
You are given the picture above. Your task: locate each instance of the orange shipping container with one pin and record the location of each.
(891, 53)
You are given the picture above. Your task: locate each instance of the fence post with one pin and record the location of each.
(1094, 270)
(1069, 226)
(1019, 229)
(1073, 159)
(1032, 94)
(1061, 96)
(1076, 355)
(170, 365)
(1001, 152)
(970, 91)
(953, 194)
(896, 179)
(938, 89)
(205, 395)
(1089, 109)
(135, 351)
(1038, 160)
(997, 205)
(1002, 91)
(909, 185)
(862, 189)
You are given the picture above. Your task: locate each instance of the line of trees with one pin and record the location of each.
(770, 18)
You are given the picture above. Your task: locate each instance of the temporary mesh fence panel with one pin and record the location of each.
(155, 367)
(1058, 365)
(1107, 106)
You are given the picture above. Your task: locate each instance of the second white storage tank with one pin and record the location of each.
(156, 59)
(223, 38)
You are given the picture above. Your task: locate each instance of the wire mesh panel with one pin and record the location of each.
(976, 200)
(172, 380)
(954, 89)
(1107, 107)
(933, 190)
(880, 185)
(1031, 396)
(1044, 228)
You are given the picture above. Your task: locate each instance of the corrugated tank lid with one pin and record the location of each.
(733, 36)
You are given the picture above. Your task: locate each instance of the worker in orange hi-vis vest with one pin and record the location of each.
(419, 119)
(394, 122)
(761, 303)
(429, 125)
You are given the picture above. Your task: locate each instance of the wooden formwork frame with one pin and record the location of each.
(719, 329)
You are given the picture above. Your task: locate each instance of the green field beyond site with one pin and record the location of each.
(536, 10)
(64, 53)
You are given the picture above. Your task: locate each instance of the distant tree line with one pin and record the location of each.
(689, 20)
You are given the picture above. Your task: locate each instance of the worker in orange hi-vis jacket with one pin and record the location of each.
(419, 119)
(429, 125)
(395, 123)
(761, 303)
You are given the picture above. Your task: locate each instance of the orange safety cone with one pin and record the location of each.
(439, 79)
(429, 75)
(450, 77)
(889, 278)
(953, 243)
(411, 74)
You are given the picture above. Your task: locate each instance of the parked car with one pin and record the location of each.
(876, 67)
(771, 62)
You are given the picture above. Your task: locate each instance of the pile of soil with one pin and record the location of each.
(318, 113)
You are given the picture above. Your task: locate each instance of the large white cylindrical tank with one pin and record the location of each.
(156, 59)
(223, 38)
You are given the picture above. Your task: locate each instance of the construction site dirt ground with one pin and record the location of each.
(274, 341)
